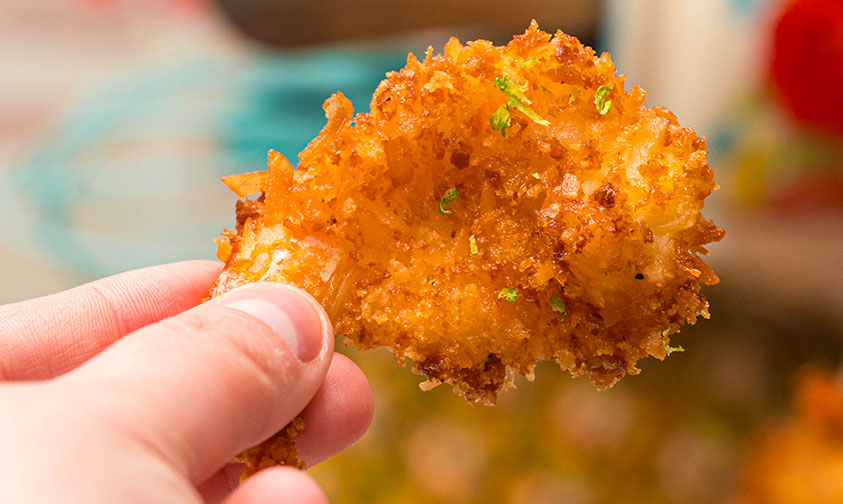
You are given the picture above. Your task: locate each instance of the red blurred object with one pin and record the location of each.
(807, 66)
(811, 193)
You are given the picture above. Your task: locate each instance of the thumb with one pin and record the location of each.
(204, 385)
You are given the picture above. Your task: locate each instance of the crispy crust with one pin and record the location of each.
(280, 449)
(602, 211)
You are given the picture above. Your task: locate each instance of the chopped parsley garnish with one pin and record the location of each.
(601, 102)
(500, 120)
(669, 349)
(529, 112)
(558, 305)
(544, 89)
(575, 93)
(451, 196)
(510, 294)
(472, 245)
(512, 91)
(528, 63)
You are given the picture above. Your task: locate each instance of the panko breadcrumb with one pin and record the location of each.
(498, 206)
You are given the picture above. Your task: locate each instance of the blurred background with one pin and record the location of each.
(117, 118)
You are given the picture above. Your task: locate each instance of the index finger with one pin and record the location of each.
(45, 337)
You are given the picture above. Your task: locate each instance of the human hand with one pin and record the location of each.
(123, 390)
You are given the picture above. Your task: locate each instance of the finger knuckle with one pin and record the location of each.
(245, 344)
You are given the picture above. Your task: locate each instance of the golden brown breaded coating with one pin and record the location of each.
(280, 449)
(497, 207)
(803, 460)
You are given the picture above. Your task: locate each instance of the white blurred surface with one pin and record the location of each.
(694, 56)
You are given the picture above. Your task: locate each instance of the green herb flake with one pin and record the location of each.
(575, 93)
(508, 87)
(472, 245)
(510, 294)
(529, 113)
(545, 89)
(558, 305)
(601, 102)
(669, 349)
(529, 63)
(451, 196)
(500, 120)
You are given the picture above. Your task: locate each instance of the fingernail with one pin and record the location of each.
(290, 312)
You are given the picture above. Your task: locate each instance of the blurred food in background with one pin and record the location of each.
(119, 116)
(801, 461)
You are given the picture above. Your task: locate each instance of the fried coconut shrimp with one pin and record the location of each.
(498, 206)
(803, 460)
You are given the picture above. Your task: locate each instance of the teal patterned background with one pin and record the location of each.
(130, 177)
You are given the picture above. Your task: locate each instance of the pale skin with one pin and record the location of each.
(128, 390)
